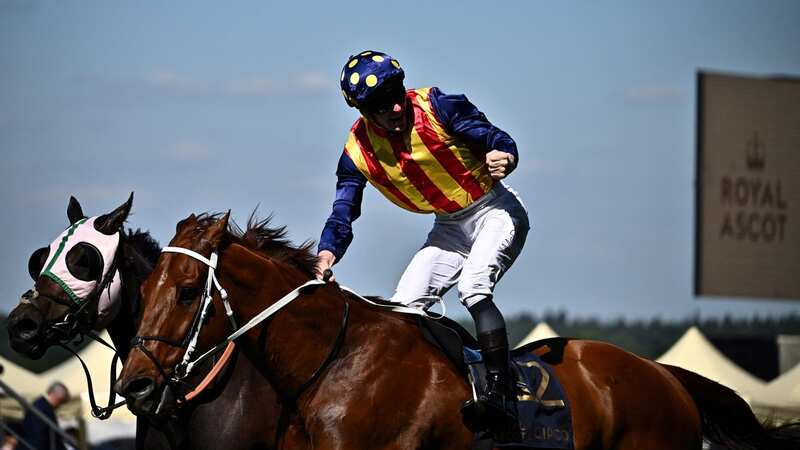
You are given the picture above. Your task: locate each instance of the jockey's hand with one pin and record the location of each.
(325, 260)
(500, 164)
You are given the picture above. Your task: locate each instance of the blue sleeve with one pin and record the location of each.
(338, 231)
(464, 120)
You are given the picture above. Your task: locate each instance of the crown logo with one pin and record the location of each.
(755, 156)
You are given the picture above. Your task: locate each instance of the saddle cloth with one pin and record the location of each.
(542, 405)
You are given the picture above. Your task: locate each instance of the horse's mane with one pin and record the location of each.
(272, 242)
(143, 242)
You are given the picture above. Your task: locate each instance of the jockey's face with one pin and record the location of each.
(389, 109)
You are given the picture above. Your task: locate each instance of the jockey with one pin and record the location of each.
(429, 152)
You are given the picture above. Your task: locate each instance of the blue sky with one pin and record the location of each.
(205, 106)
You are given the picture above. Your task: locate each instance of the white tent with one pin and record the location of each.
(21, 379)
(694, 352)
(781, 397)
(541, 331)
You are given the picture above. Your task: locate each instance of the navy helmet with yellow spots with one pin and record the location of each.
(364, 74)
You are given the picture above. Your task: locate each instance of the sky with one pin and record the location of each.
(208, 106)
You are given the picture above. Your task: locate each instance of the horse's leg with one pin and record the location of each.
(622, 402)
(443, 397)
(167, 437)
(293, 437)
(243, 415)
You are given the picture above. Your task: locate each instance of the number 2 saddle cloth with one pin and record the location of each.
(542, 404)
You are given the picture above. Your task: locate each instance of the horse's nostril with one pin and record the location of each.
(139, 387)
(25, 328)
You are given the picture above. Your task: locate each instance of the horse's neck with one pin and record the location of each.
(296, 339)
(301, 336)
(133, 267)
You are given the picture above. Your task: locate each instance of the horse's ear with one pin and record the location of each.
(111, 223)
(74, 211)
(216, 232)
(182, 223)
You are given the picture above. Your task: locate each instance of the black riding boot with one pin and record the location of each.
(496, 408)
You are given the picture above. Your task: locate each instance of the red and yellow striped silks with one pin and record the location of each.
(424, 171)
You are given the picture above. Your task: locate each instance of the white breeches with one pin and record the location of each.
(473, 247)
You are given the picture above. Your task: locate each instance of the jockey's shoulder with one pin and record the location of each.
(357, 124)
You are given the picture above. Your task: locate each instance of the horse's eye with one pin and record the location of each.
(85, 262)
(37, 261)
(187, 294)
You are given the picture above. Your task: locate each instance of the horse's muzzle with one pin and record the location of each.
(25, 332)
(145, 399)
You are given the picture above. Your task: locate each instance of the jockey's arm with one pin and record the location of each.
(463, 119)
(338, 231)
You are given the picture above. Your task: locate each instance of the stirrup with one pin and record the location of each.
(492, 411)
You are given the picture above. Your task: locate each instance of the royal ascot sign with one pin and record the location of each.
(748, 187)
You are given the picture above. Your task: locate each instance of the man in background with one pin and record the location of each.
(35, 431)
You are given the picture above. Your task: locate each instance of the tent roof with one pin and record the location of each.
(783, 391)
(21, 379)
(694, 352)
(541, 331)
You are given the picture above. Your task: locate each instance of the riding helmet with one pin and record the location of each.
(365, 73)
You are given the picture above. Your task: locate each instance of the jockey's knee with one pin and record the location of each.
(407, 295)
(403, 297)
(473, 288)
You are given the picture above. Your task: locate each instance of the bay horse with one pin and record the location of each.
(238, 393)
(354, 376)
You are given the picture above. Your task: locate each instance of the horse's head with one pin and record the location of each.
(70, 275)
(172, 302)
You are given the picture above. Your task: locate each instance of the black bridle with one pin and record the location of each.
(77, 322)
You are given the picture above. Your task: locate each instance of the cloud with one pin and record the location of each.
(162, 84)
(175, 83)
(654, 93)
(252, 87)
(312, 81)
(189, 151)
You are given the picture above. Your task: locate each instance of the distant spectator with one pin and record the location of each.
(9, 443)
(35, 431)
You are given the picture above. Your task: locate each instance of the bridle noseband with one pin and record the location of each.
(189, 342)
